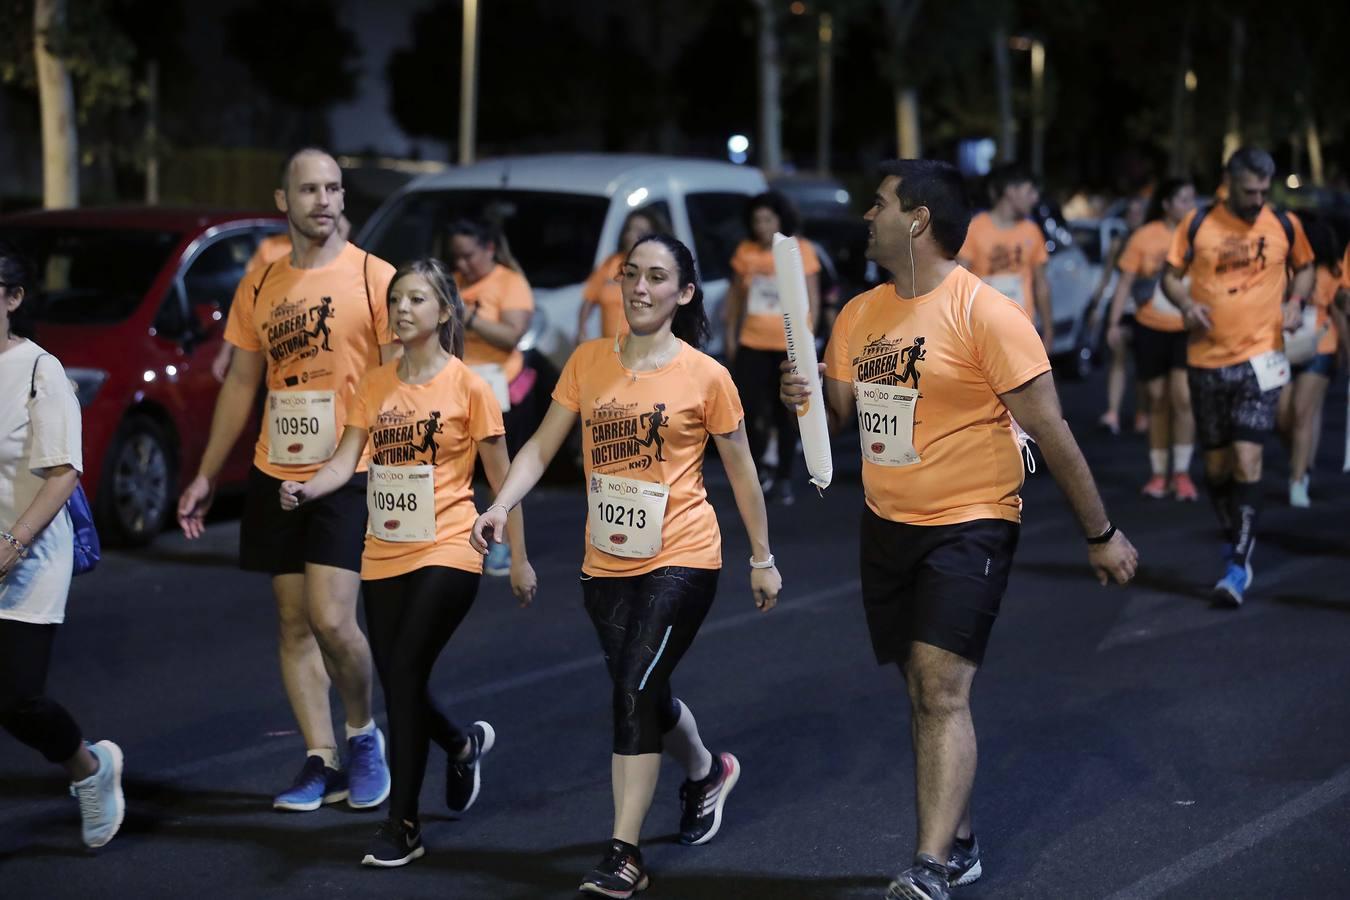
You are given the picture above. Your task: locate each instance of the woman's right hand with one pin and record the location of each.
(292, 495)
(193, 505)
(490, 526)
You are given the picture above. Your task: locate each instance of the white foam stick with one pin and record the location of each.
(801, 348)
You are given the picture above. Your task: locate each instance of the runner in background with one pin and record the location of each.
(1159, 341)
(313, 556)
(755, 342)
(422, 420)
(1006, 249)
(1118, 343)
(1238, 254)
(1301, 401)
(648, 402)
(498, 307)
(602, 289)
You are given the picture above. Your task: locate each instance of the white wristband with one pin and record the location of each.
(766, 564)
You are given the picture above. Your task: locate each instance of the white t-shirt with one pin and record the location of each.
(35, 434)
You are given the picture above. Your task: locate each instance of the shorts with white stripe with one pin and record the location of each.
(645, 624)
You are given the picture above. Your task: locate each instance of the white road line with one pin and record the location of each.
(1235, 842)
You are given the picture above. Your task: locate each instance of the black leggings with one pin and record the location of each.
(757, 376)
(645, 624)
(25, 710)
(410, 619)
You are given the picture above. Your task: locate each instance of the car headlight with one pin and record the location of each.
(86, 383)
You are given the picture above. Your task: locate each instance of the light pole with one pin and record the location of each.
(1037, 107)
(468, 85)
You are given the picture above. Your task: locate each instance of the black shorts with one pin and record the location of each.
(1158, 352)
(326, 532)
(936, 584)
(1230, 406)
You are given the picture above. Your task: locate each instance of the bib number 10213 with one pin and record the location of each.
(618, 514)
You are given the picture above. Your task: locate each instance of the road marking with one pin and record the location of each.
(1233, 843)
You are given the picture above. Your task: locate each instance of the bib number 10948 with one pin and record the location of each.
(388, 501)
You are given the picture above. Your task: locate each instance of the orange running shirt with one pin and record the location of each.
(961, 346)
(1324, 294)
(319, 330)
(500, 290)
(438, 423)
(603, 289)
(1006, 258)
(1144, 257)
(653, 426)
(751, 263)
(1238, 273)
(270, 249)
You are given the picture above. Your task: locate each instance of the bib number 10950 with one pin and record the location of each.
(304, 426)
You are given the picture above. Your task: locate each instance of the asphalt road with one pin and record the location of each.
(1134, 743)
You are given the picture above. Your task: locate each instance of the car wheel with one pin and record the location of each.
(136, 494)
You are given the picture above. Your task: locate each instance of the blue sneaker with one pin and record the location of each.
(315, 785)
(1229, 590)
(367, 771)
(101, 803)
(498, 560)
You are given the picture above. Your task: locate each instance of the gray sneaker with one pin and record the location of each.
(964, 862)
(925, 880)
(100, 795)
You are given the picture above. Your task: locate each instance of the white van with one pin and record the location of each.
(562, 214)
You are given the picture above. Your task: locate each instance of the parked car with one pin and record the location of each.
(562, 214)
(133, 303)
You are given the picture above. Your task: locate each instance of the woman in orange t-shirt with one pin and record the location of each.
(424, 416)
(1301, 400)
(602, 287)
(648, 402)
(756, 344)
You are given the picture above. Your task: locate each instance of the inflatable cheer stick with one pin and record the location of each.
(801, 349)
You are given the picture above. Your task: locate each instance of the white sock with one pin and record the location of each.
(1157, 459)
(686, 747)
(368, 728)
(327, 754)
(1181, 457)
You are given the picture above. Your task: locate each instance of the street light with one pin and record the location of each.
(468, 84)
(1037, 49)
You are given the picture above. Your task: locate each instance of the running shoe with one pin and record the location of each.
(782, 493)
(925, 880)
(102, 805)
(367, 771)
(498, 560)
(963, 864)
(1110, 422)
(1183, 488)
(1155, 487)
(701, 802)
(620, 874)
(464, 777)
(394, 844)
(1141, 423)
(1298, 493)
(1232, 587)
(315, 785)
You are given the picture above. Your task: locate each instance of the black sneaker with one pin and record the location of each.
(463, 778)
(964, 862)
(701, 802)
(782, 493)
(925, 880)
(394, 845)
(620, 874)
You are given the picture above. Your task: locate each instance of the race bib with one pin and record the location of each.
(401, 502)
(301, 427)
(1301, 345)
(1272, 370)
(886, 423)
(495, 376)
(625, 516)
(764, 297)
(1010, 285)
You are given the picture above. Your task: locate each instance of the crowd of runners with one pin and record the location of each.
(385, 387)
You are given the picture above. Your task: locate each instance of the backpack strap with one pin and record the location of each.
(257, 288)
(32, 383)
(1287, 224)
(370, 304)
(1191, 232)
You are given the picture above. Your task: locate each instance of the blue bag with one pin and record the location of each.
(87, 549)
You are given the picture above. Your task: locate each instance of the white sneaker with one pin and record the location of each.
(100, 795)
(1298, 493)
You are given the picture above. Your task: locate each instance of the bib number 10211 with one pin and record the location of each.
(618, 514)
(878, 423)
(389, 501)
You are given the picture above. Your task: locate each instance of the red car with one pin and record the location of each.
(133, 303)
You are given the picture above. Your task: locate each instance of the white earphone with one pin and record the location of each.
(912, 226)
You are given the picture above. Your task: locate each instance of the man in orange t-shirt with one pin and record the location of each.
(1007, 249)
(310, 324)
(1238, 255)
(933, 368)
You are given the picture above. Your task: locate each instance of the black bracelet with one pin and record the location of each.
(1104, 537)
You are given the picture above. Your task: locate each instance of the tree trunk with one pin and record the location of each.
(907, 123)
(152, 134)
(1038, 108)
(825, 112)
(60, 141)
(468, 85)
(770, 111)
(1176, 160)
(1007, 127)
(1232, 138)
(1313, 138)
